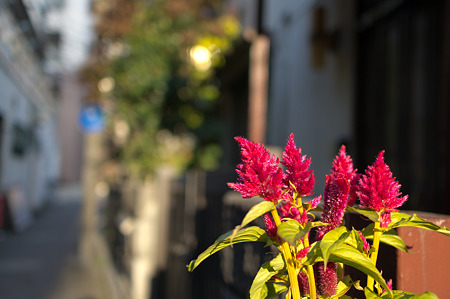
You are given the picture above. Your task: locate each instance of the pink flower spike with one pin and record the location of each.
(297, 177)
(304, 218)
(288, 210)
(378, 190)
(366, 246)
(303, 283)
(315, 201)
(335, 201)
(271, 227)
(302, 253)
(389, 284)
(326, 279)
(343, 167)
(385, 220)
(259, 174)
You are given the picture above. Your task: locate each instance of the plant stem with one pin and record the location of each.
(286, 251)
(310, 271)
(374, 255)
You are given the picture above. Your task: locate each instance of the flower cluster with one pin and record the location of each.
(261, 175)
(298, 178)
(309, 253)
(378, 190)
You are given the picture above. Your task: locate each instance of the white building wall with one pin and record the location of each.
(315, 104)
(15, 110)
(25, 101)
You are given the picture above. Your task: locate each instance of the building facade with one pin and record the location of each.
(30, 156)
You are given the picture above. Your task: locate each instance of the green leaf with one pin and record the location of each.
(355, 240)
(396, 294)
(318, 223)
(343, 286)
(291, 231)
(350, 256)
(255, 212)
(266, 272)
(372, 215)
(314, 254)
(347, 255)
(402, 219)
(370, 294)
(405, 295)
(249, 234)
(390, 238)
(272, 289)
(331, 241)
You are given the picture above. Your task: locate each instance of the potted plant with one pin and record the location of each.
(311, 252)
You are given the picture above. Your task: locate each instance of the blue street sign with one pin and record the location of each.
(91, 118)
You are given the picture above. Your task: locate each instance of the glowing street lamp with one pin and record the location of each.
(200, 57)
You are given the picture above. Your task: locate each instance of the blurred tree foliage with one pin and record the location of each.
(160, 92)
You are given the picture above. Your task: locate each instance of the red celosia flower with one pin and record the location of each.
(271, 227)
(315, 201)
(288, 210)
(378, 190)
(303, 252)
(297, 177)
(385, 219)
(259, 174)
(389, 284)
(303, 283)
(335, 201)
(304, 218)
(366, 246)
(343, 167)
(326, 279)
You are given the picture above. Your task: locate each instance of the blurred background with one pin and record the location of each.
(117, 120)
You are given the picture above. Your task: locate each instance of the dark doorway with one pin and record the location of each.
(402, 95)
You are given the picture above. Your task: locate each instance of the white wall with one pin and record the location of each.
(15, 109)
(26, 101)
(39, 166)
(315, 104)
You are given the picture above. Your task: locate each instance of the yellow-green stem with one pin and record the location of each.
(374, 255)
(286, 251)
(310, 271)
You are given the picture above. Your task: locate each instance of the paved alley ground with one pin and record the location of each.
(42, 262)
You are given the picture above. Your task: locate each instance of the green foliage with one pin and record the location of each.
(347, 255)
(390, 238)
(291, 231)
(343, 286)
(396, 294)
(401, 220)
(298, 265)
(249, 234)
(371, 215)
(332, 240)
(157, 86)
(266, 272)
(255, 212)
(339, 245)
